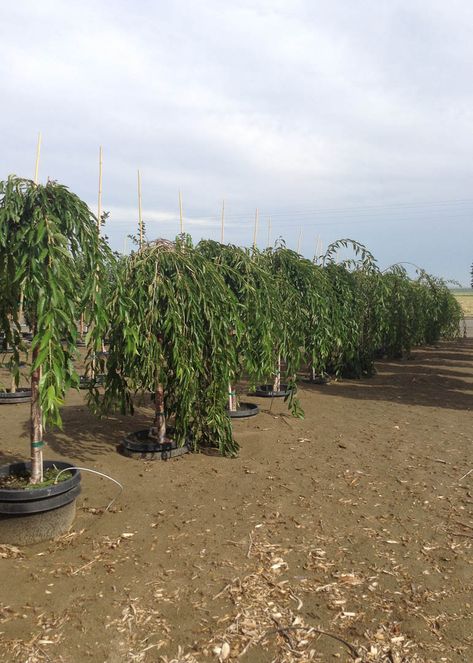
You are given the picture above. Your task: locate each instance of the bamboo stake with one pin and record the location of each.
(255, 233)
(38, 152)
(299, 241)
(181, 225)
(269, 231)
(36, 434)
(318, 248)
(140, 217)
(36, 173)
(99, 200)
(222, 233)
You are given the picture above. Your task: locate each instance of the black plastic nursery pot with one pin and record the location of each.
(85, 382)
(318, 379)
(243, 411)
(21, 395)
(31, 515)
(267, 391)
(140, 445)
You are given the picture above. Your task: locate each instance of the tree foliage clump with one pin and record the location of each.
(44, 231)
(172, 325)
(253, 288)
(183, 322)
(189, 320)
(357, 311)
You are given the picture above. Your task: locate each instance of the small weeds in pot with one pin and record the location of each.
(22, 481)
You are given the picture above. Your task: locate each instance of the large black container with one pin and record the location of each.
(31, 515)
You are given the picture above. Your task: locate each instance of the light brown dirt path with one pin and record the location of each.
(355, 521)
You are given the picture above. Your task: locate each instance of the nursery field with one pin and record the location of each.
(465, 298)
(344, 536)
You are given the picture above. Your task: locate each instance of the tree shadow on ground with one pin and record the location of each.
(415, 384)
(85, 436)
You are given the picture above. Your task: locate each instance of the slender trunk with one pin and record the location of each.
(277, 379)
(159, 424)
(313, 373)
(232, 402)
(12, 379)
(81, 327)
(36, 426)
(20, 310)
(158, 429)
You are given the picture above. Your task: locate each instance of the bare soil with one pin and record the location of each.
(345, 536)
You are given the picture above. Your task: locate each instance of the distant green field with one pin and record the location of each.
(464, 297)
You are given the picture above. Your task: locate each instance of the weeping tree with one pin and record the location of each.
(253, 290)
(290, 318)
(441, 311)
(43, 231)
(170, 316)
(418, 311)
(398, 328)
(311, 293)
(358, 310)
(108, 273)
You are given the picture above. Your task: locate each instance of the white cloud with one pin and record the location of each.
(281, 104)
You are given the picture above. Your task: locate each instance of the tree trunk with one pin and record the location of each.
(232, 402)
(20, 310)
(158, 429)
(36, 426)
(277, 379)
(81, 327)
(12, 380)
(314, 375)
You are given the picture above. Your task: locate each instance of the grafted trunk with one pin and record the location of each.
(36, 426)
(21, 307)
(277, 379)
(158, 429)
(12, 379)
(232, 402)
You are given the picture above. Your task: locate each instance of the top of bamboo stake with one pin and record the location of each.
(255, 233)
(181, 224)
(222, 231)
(38, 152)
(140, 217)
(99, 200)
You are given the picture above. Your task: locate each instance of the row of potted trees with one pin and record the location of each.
(186, 323)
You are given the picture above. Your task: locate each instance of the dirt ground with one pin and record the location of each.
(345, 536)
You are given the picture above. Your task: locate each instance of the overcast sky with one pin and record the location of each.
(336, 118)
